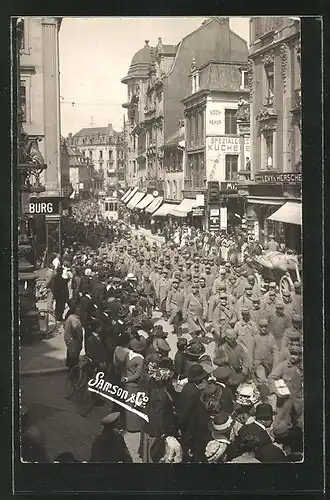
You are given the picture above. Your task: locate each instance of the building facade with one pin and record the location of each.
(174, 165)
(105, 148)
(275, 122)
(81, 171)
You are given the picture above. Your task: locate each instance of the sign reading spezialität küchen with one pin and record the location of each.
(44, 206)
(278, 178)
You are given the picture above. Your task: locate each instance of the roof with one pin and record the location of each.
(175, 138)
(91, 131)
(140, 63)
(170, 50)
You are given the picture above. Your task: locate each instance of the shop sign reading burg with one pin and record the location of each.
(44, 206)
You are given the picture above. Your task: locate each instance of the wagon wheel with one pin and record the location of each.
(286, 284)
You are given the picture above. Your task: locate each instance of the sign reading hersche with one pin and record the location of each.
(278, 178)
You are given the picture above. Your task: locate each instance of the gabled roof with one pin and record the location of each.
(91, 131)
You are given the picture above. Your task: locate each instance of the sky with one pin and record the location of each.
(95, 54)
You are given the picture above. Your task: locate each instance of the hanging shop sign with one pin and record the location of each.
(223, 218)
(44, 206)
(231, 187)
(214, 219)
(278, 178)
(198, 212)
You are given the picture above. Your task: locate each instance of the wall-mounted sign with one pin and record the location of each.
(214, 219)
(229, 186)
(214, 212)
(44, 206)
(227, 144)
(278, 178)
(198, 211)
(215, 118)
(81, 185)
(223, 218)
(216, 150)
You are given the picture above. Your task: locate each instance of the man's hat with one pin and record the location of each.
(264, 411)
(272, 284)
(263, 322)
(111, 418)
(196, 349)
(222, 373)
(279, 305)
(196, 373)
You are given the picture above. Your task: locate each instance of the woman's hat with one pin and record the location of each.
(138, 345)
(196, 373)
(214, 451)
(220, 424)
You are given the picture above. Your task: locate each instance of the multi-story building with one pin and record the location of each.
(162, 89)
(174, 159)
(274, 192)
(146, 114)
(39, 136)
(39, 93)
(81, 170)
(105, 148)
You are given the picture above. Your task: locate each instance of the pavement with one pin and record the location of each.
(63, 428)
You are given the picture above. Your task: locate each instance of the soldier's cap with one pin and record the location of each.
(197, 257)
(243, 272)
(245, 310)
(255, 299)
(176, 256)
(208, 266)
(111, 418)
(271, 292)
(221, 286)
(272, 284)
(263, 322)
(146, 275)
(227, 264)
(230, 334)
(223, 295)
(279, 305)
(161, 259)
(232, 278)
(296, 318)
(293, 335)
(177, 274)
(248, 287)
(295, 349)
(286, 293)
(176, 280)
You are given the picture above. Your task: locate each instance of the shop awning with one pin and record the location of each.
(130, 195)
(265, 201)
(163, 210)
(145, 202)
(154, 205)
(126, 194)
(184, 208)
(135, 200)
(289, 213)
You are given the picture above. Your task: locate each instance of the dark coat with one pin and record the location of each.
(161, 413)
(99, 292)
(188, 402)
(110, 446)
(198, 433)
(59, 287)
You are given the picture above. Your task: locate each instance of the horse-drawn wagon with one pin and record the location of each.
(282, 268)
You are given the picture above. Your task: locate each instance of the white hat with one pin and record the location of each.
(130, 276)
(215, 450)
(88, 272)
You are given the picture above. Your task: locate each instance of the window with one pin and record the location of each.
(23, 35)
(269, 142)
(230, 121)
(106, 207)
(269, 69)
(22, 96)
(195, 83)
(231, 167)
(110, 207)
(90, 154)
(197, 129)
(244, 79)
(101, 154)
(202, 127)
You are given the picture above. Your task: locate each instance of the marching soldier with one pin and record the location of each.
(174, 305)
(223, 317)
(194, 312)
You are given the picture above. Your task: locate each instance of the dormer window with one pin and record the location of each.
(195, 82)
(244, 79)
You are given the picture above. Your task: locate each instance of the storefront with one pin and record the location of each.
(289, 217)
(190, 211)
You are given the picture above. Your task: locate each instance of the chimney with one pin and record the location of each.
(146, 43)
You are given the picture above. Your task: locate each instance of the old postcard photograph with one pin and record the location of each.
(160, 258)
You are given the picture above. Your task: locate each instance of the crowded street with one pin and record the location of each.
(218, 354)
